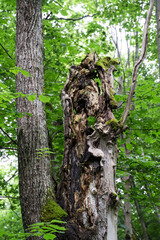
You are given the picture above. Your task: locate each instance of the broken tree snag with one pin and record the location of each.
(87, 187)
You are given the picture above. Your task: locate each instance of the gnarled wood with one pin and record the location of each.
(87, 187)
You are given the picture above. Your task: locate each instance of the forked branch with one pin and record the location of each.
(138, 63)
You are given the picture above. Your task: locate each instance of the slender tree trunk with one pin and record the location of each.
(127, 210)
(87, 187)
(149, 193)
(158, 31)
(33, 163)
(127, 205)
(139, 211)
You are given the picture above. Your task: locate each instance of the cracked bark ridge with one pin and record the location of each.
(87, 187)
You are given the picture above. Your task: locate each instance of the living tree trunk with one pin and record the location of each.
(87, 187)
(139, 211)
(127, 210)
(149, 193)
(33, 162)
(126, 183)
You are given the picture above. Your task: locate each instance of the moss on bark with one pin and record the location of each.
(114, 123)
(106, 62)
(50, 209)
(112, 102)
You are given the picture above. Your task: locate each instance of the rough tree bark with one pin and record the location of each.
(34, 167)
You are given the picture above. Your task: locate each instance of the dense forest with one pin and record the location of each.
(79, 121)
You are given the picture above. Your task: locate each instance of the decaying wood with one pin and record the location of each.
(87, 187)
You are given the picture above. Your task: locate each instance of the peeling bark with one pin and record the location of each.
(87, 188)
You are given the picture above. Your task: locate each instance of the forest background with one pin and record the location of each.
(70, 30)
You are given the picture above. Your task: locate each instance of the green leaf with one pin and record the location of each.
(25, 73)
(44, 99)
(121, 149)
(31, 97)
(58, 227)
(29, 114)
(49, 236)
(57, 221)
(64, 13)
(37, 224)
(15, 70)
(129, 146)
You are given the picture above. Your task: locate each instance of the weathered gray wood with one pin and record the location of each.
(87, 187)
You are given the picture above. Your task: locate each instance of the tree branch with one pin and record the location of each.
(6, 51)
(8, 136)
(53, 135)
(7, 148)
(8, 197)
(138, 63)
(69, 19)
(15, 173)
(57, 3)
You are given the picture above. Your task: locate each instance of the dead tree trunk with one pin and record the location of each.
(87, 187)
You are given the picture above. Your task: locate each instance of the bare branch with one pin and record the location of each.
(6, 51)
(46, 18)
(8, 197)
(72, 19)
(138, 63)
(8, 136)
(15, 173)
(53, 135)
(57, 3)
(7, 148)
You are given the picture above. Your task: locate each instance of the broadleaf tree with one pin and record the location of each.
(35, 184)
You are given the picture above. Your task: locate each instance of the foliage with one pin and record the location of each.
(68, 35)
(11, 224)
(46, 229)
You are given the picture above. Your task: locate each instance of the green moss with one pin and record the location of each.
(114, 123)
(91, 120)
(50, 209)
(113, 102)
(113, 195)
(106, 62)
